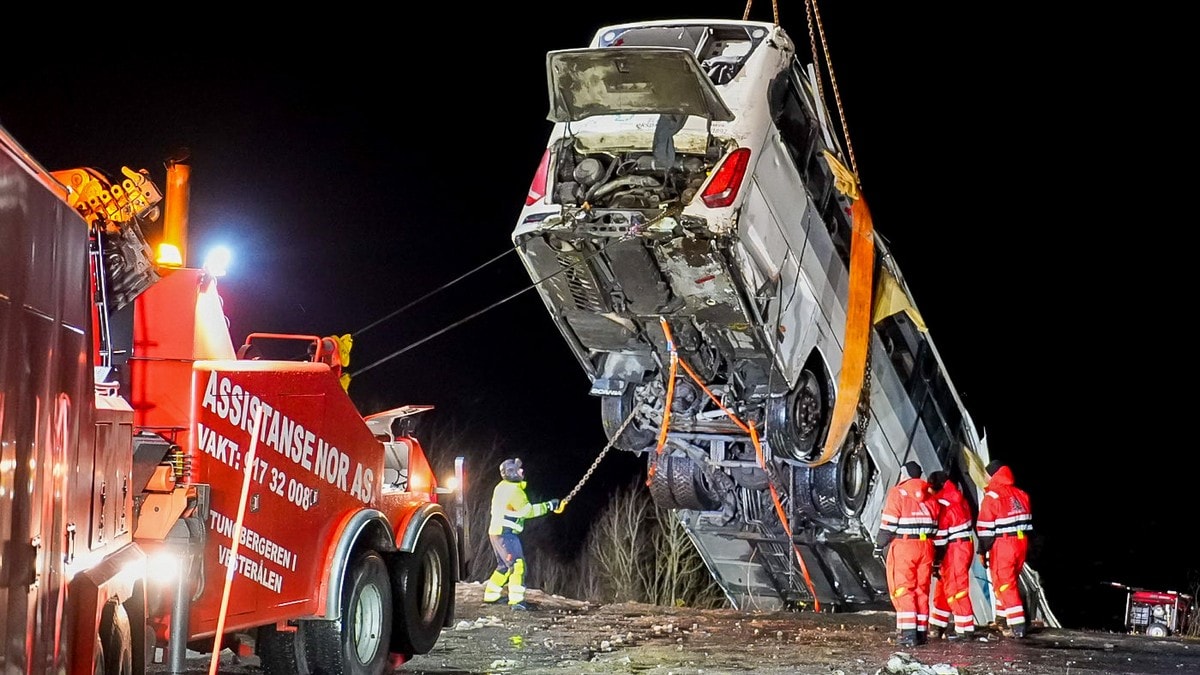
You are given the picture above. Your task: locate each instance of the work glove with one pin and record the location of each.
(554, 504)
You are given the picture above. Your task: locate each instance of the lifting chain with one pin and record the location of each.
(864, 407)
(596, 462)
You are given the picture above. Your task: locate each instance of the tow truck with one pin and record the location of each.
(164, 491)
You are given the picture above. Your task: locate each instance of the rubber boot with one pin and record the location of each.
(908, 638)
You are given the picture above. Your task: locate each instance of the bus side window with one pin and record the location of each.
(796, 128)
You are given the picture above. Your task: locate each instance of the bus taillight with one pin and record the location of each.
(723, 188)
(537, 189)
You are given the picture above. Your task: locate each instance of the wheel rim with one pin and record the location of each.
(368, 623)
(855, 476)
(795, 420)
(806, 409)
(431, 590)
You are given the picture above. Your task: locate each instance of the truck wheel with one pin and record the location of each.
(360, 647)
(116, 637)
(423, 586)
(277, 651)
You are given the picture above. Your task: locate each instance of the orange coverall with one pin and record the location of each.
(956, 548)
(1005, 522)
(908, 524)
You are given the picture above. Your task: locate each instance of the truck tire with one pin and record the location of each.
(277, 652)
(360, 647)
(116, 637)
(423, 586)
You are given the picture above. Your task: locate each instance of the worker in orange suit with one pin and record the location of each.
(1004, 525)
(954, 551)
(906, 531)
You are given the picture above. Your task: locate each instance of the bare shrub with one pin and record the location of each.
(642, 553)
(681, 577)
(1192, 629)
(621, 547)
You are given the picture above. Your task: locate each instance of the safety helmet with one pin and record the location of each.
(510, 469)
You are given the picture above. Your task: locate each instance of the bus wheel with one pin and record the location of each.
(660, 483)
(361, 646)
(680, 483)
(691, 487)
(795, 421)
(840, 486)
(116, 638)
(423, 586)
(613, 411)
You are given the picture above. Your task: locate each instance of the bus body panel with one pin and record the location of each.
(640, 224)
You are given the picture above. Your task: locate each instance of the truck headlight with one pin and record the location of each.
(163, 568)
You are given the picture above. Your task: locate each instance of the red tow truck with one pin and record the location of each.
(162, 490)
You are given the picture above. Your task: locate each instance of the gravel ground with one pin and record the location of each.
(565, 636)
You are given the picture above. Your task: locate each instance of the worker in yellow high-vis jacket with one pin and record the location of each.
(510, 509)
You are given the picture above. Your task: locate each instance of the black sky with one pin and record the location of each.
(351, 176)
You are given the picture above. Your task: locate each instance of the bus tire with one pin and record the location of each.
(840, 486)
(360, 646)
(116, 638)
(796, 420)
(660, 482)
(691, 487)
(613, 411)
(423, 586)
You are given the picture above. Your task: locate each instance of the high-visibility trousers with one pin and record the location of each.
(510, 569)
(909, 574)
(1006, 559)
(952, 591)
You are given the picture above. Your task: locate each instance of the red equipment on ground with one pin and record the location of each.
(1156, 613)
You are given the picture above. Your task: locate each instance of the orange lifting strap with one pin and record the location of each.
(750, 429)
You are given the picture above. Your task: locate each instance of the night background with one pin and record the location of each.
(352, 180)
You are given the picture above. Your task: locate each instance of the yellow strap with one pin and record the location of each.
(858, 328)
